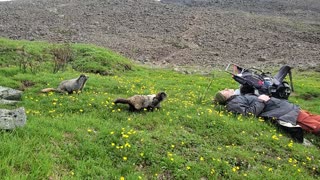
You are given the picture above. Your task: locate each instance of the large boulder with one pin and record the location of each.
(9, 96)
(10, 119)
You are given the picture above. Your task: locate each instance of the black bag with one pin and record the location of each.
(256, 81)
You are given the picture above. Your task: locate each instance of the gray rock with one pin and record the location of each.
(306, 142)
(3, 101)
(10, 119)
(9, 96)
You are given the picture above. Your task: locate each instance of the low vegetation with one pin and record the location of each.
(86, 136)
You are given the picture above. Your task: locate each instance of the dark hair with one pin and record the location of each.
(219, 98)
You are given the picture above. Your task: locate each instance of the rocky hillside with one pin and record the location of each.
(205, 33)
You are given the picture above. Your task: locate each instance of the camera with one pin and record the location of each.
(253, 80)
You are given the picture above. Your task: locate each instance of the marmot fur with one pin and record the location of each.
(70, 86)
(138, 102)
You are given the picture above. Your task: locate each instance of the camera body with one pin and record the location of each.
(256, 81)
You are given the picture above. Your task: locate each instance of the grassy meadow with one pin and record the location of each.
(86, 136)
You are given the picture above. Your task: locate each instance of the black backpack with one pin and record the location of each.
(256, 81)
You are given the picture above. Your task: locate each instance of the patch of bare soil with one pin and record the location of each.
(203, 33)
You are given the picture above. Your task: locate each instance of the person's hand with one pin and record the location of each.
(264, 98)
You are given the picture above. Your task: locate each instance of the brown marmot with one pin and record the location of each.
(138, 102)
(69, 86)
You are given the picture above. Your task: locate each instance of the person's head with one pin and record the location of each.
(221, 97)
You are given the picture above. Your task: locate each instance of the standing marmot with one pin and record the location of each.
(70, 86)
(138, 102)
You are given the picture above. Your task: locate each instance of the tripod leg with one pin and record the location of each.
(284, 70)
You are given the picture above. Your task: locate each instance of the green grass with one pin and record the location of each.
(85, 136)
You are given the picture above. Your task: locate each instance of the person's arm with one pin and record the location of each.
(248, 105)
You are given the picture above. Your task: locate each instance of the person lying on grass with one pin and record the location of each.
(288, 115)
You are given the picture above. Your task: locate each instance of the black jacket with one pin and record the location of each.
(279, 109)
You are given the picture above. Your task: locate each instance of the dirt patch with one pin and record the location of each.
(310, 96)
(26, 84)
(202, 33)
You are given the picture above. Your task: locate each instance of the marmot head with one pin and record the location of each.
(82, 80)
(158, 98)
(161, 96)
(84, 76)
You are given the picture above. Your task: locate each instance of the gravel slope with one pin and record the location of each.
(205, 33)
